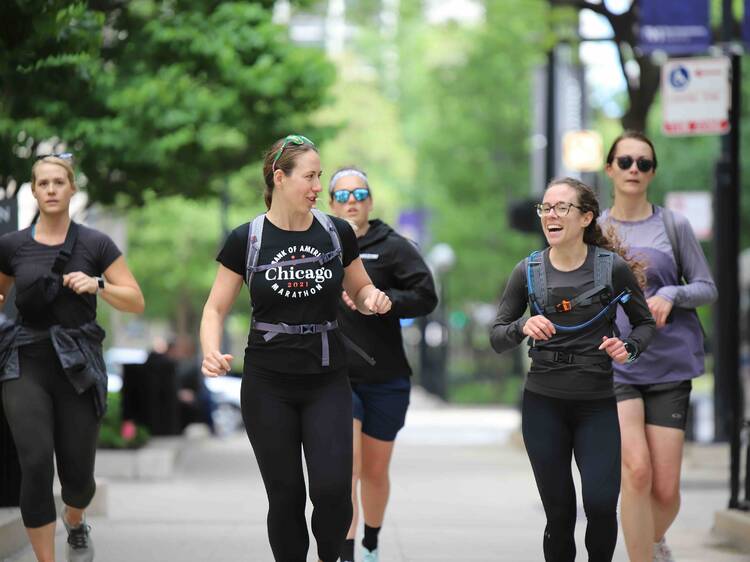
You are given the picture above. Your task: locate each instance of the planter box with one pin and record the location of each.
(156, 460)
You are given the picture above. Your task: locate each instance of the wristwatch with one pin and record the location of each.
(100, 283)
(632, 350)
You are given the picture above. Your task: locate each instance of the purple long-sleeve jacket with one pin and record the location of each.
(676, 351)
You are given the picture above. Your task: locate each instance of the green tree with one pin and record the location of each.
(166, 96)
(49, 50)
(466, 108)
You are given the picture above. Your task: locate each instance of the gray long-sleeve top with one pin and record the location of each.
(562, 380)
(676, 353)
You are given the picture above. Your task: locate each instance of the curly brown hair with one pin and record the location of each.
(594, 235)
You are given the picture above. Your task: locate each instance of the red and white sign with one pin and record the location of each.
(697, 207)
(695, 95)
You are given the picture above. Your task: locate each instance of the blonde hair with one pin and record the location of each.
(65, 164)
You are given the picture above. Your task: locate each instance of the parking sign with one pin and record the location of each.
(695, 96)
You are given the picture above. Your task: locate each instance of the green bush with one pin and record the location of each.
(111, 435)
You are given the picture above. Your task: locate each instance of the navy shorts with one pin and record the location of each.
(381, 407)
(665, 404)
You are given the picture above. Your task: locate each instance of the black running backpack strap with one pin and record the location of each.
(537, 282)
(254, 237)
(326, 222)
(670, 227)
(604, 261)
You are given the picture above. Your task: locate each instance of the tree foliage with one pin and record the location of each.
(169, 96)
(466, 110)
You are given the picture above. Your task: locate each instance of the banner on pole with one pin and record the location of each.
(677, 27)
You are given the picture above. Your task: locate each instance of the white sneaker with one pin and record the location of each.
(662, 553)
(80, 548)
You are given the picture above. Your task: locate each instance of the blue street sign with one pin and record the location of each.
(677, 27)
(746, 23)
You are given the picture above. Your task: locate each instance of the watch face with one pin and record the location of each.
(100, 280)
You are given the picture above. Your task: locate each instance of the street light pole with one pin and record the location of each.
(727, 394)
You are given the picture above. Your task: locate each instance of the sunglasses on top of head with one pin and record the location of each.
(60, 155)
(643, 164)
(298, 140)
(342, 195)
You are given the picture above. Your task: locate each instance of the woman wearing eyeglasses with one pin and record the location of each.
(295, 390)
(52, 372)
(572, 290)
(653, 394)
(380, 391)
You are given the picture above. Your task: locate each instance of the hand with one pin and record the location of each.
(660, 309)
(216, 363)
(80, 283)
(377, 302)
(2, 297)
(539, 328)
(348, 301)
(615, 348)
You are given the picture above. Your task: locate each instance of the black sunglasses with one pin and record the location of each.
(644, 164)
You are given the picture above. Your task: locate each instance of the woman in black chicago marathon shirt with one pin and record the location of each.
(380, 392)
(295, 390)
(54, 382)
(568, 403)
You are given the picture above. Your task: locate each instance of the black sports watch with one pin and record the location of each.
(632, 350)
(100, 283)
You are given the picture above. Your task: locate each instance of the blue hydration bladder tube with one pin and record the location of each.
(623, 297)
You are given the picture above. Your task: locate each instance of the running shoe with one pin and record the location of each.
(369, 555)
(80, 547)
(662, 552)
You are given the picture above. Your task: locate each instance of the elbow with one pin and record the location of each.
(497, 340)
(139, 306)
(713, 294)
(431, 303)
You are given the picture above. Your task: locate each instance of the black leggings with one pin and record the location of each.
(282, 416)
(46, 418)
(553, 430)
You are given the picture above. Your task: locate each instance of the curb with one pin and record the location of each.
(733, 526)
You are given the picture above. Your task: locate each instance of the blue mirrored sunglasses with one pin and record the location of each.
(342, 195)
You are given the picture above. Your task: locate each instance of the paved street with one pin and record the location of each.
(462, 491)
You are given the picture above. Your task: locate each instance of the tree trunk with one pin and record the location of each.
(642, 97)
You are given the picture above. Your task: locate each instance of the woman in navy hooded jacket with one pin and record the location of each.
(380, 392)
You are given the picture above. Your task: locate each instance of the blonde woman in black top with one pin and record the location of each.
(53, 376)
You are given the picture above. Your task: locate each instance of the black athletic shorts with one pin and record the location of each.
(666, 404)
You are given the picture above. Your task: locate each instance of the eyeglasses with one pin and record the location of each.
(60, 155)
(342, 195)
(644, 164)
(561, 208)
(293, 139)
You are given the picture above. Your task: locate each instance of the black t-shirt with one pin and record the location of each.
(26, 260)
(309, 298)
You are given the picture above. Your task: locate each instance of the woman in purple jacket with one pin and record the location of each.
(653, 393)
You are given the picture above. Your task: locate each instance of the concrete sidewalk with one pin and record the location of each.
(462, 490)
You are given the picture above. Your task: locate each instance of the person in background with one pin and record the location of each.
(653, 394)
(380, 391)
(54, 382)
